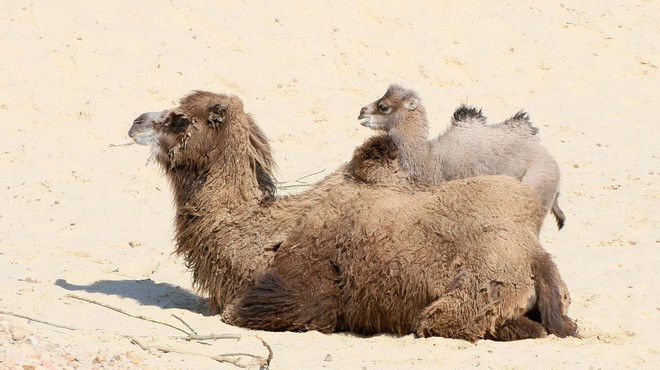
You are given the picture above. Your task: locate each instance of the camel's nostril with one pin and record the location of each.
(362, 111)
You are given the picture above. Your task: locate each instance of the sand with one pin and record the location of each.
(81, 216)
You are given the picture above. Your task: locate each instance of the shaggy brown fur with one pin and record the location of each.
(375, 162)
(354, 264)
(468, 148)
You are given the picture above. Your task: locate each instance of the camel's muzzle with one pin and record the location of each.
(142, 130)
(364, 117)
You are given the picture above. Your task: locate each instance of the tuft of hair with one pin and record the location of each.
(549, 303)
(401, 92)
(263, 304)
(521, 123)
(466, 114)
(375, 162)
(263, 164)
(271, 305)
(377, 148)
(560, 217)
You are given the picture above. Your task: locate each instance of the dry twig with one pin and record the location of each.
(210, 337)
(37, 320)
(124, 144)
(310, 175)
(231, 358)
(264, 363)
(127, 313)
(302, 184)
(185, 323)
(165, 348)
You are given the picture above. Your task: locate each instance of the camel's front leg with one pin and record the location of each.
(473, 308)
(450, 317)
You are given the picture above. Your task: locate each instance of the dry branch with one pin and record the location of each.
(127, 313)
(210, 337)
(124, 144)
(37, 320)
(231, 358)
(185, 323)
(301, 184)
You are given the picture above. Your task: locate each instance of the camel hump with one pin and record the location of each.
(378, 147)
(375, 162)
(549, 298)
(521, 123)
(467, 115)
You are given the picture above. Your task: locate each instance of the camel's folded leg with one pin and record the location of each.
(451, 317)
(299, 292)
(278, 304)
(517, 329)
(472, 310)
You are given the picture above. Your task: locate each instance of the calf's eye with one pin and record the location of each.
(384, 108)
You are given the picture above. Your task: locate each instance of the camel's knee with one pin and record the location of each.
(273, 304)
(449, 317)
(517, 329)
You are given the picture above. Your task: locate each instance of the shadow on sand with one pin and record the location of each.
(146, 291)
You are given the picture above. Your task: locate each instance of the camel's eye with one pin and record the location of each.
(179, 122)
(384, 108)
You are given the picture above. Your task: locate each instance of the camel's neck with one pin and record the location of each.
(218, 219)
(226, 186)
(411, 140)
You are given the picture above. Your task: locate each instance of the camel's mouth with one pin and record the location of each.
(142, 130)
(373, 122)
(365, 121)
(145, 138)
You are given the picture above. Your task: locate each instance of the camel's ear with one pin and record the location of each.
(411, 102)
(217, 115)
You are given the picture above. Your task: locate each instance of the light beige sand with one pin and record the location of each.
(79, 216)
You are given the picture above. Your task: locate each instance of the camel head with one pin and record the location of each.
(392, 109)
(207, 130)
(190, 133)
(195, 132)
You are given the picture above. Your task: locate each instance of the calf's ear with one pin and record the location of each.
(411, 103)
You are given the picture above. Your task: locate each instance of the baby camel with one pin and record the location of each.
(468, 148)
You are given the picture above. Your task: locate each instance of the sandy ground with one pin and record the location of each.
(79, 216)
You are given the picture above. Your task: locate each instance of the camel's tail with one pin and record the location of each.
(549, 298)
(558, 213)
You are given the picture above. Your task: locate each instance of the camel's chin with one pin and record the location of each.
(374, 126)
(145, 138)
(371, 123)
